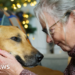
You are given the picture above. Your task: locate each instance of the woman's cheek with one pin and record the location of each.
(58, 37)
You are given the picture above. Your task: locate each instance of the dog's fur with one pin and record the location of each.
(13, 40)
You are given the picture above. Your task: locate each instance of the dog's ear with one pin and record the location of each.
(17, 26)
(1, 26)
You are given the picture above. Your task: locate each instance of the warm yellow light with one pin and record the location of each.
(26, 26)
(27, 34)
(5, 8)
(32, 4)
(29, 0)
(27, 21)
(12, 0)
(15, 8)
(35, 2)
(33, 38)
(25, 4)
(25, 16)
(23, 22)
(18, 5)
(13, 5)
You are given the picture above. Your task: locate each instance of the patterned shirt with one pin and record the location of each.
(70, 70)
(27, 72)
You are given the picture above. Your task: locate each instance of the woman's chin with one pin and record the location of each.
(66, 49)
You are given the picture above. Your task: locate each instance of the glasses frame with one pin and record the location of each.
(66, 14)
(61, 18)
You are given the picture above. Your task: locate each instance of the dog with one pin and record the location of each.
(13, 40)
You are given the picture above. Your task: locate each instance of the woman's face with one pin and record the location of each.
(58, 34)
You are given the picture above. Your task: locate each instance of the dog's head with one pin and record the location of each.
(13, 40)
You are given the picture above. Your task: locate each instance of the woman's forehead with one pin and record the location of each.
(50, 21)
(43, 24)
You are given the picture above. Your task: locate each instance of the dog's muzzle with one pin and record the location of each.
(30, 61)
(39, 57)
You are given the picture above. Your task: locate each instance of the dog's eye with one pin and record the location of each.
(17, 39)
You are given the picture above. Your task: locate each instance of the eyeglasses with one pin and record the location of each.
(50, 28)
(66, 14)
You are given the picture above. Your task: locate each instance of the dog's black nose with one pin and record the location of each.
(39, 57)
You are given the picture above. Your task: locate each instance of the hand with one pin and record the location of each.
(13, 67)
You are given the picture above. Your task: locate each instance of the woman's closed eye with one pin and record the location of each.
(45, 30)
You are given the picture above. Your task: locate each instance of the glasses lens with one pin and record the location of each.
(49, 33)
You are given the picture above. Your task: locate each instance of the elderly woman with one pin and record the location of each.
(57, 18)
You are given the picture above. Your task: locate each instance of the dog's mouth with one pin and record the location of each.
(30, 62)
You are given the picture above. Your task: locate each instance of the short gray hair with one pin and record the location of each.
(56, 8)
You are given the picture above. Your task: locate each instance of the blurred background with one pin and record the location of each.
(54, 57)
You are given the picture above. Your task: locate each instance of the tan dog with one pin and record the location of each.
(13, 40)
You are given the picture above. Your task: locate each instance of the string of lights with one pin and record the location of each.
(15, 4)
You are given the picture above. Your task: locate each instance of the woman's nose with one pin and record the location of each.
(48, 39)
